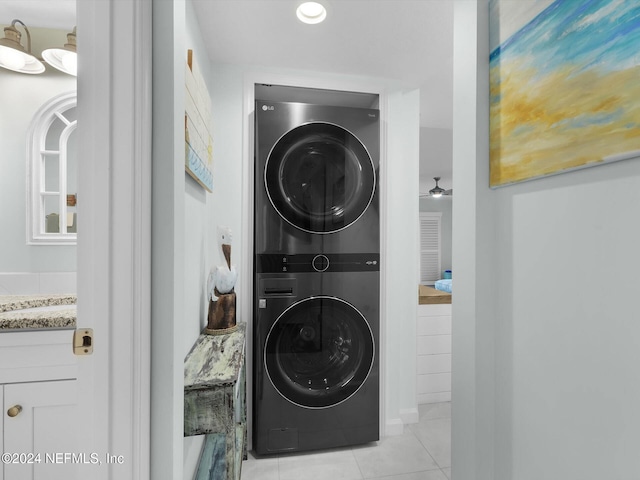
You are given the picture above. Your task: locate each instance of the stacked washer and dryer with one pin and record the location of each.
(316, 277)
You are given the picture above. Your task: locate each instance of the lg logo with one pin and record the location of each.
(267, 107)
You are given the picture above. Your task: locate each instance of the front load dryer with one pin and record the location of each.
(316, 178)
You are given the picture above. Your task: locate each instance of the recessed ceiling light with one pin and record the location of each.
(311, 12)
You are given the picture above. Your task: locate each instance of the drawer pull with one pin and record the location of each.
(14, 411)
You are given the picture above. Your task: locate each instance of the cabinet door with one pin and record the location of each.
(45, 431)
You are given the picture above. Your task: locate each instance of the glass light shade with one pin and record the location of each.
(18, 61)
(311, 12)
(64, 60)
(12, 59)
(13, 55)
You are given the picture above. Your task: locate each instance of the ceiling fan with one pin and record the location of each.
(437, 191)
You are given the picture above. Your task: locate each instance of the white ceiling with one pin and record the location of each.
(40, 13)
(406, 40)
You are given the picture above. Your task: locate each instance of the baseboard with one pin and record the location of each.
(434, 397)
(394, 427)
(409, 415)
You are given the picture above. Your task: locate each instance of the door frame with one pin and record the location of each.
(114, 262)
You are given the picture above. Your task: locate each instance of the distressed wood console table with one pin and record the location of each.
(215, 403)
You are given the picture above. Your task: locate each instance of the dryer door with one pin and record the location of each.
(319, 177)
(319, 352)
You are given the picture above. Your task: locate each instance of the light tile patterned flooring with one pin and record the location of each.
(423, 452)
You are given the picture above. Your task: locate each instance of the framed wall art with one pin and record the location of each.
(564, 86)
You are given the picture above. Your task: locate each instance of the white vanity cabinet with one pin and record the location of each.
(39, 404)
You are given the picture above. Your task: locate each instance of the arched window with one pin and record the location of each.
(52, 173)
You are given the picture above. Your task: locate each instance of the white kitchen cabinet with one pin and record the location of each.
(433, 349)
(42, 437)
(39, 439)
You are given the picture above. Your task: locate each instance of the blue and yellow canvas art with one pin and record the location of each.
(565, 86)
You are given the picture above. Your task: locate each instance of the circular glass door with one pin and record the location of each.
(319, 177)
(319, 352)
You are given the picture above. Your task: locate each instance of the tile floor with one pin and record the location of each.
(423, 452)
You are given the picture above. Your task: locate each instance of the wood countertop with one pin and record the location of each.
(429, 296)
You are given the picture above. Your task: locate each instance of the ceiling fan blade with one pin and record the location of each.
(428, 195)
(448, 192)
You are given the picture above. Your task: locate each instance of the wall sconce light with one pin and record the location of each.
(64, 59)
(13, 55)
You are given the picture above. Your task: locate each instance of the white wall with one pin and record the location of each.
(401, 268)
(436, 150)
(185, 222)
(21, 96)
(545, 364)
(193, 239)
(567, 331)
(169, 329)
(228, 99)
(203, 211)
(474, 251)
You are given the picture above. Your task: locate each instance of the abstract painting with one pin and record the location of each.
(565, 86)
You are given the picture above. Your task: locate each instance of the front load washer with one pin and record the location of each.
(316, 178)
(316, 344)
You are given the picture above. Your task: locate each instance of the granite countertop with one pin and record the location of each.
(23, 312)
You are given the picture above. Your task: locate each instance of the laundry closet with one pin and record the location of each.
(316, 266)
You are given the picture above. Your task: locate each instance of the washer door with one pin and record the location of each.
(319, 177)
(319, 352)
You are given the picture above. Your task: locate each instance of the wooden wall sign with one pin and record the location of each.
(198, 152)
